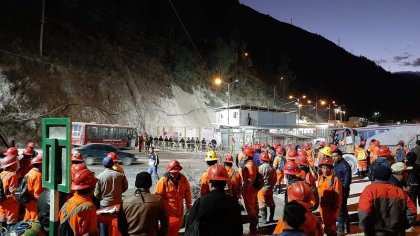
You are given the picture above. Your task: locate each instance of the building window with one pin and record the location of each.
(235, 114)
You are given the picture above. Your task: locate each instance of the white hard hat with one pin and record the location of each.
(398, 167)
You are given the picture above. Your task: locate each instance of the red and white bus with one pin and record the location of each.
(119, 136)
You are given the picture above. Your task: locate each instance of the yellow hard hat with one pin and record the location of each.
(326, 151)
(211, 156)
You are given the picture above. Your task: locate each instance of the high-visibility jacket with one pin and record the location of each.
(204, 182)
(235, 183)
(174, 195)
(85, 220)
(9, 208)
(361, 156)
(307, 177)
(330, 197)
(34, 189)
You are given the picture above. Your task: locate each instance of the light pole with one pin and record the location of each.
(298, 105)
(219, 81)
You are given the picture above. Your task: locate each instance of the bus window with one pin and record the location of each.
(92, 132)
(76, 130)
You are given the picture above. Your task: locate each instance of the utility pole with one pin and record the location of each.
(41, 36)
(274, 97)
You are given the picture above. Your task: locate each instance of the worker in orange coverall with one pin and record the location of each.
(174, 188)
(34, 188)
(302, 193)
(235, 183)
(248, 170)
(211, 159)
(278, 164)
(265, 195)
(330, 197)
(362, 159)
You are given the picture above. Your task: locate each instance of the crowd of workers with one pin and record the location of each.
(311, 177)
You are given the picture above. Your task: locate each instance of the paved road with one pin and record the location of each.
(193, 165)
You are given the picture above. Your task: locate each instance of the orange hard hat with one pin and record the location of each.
(291, 168)
(306, 145)
(384, 151)
(37, 159)
(280, 150)
(77, 157)
(301, 160)
(28, 152)
(8, 161)
(31, 145)
(299, 191)
(12, 151)
(326, 160)
(83, 179)
(264, 157)
(249, 152)
(217, 172)
(302, 153)
(114, 157)
(227, 158)
(173, 166)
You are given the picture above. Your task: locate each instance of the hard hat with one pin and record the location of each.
(83, 179)
(398, 167)
(248, 151)
(306, 145)
(326, 151)
(299, 191)
(37, 159)
(173, 166)
(384, 151)
(276, 145)
(302, 153)
(257, 147)
(8, 161)
(12, 151)
(31, 145)
(301, 160)
(326, 161)
(291, 168)
(77, 157)
(362, 143)
(334, 148)
(263, 145)
(292, 153)
(211, 156)
(280, 150)
(114, 157)
(227, 158)
(217, 172)
(264, 157)
(76, 168)
(376, 143)
(28, 152)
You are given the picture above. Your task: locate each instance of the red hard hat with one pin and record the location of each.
(362, 143)
(83, 179)
(248, 151)
(8, 161)
(31, 145)
(37, 159)
(291, 168)
(217, 172)
(227, 158)
(257, 147)
(306, 145)
(12, 151)
(77, 168)
(293, 153)
(276, 145)
(302, 153)
(301, 160)
(264, 156)
(173, 166)
(280, 150)
(299, 191)
(114, 157)
(27, 152)
(384, 151)
(263, 145)
(326, 160)
(77, 157)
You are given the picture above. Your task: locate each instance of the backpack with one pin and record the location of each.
(400, 155)
(21, 193)
(258, 182)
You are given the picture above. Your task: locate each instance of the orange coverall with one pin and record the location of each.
(235, 183)
(312, 226)
(34, 189)
(249, 193)
(265, 195)
(361, 164)
(174, 200)
(310, 157)
(9, 208)
(307, 177)
(204, 182)
(330, 197)
(85, 221)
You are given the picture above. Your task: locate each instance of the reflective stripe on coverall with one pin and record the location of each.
(361, 164)
(9, 208)
(329, 190)
(235, 183)
(174, 200)
(265, 195)
(34, 189)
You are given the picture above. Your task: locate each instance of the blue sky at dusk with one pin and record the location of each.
(385, 31)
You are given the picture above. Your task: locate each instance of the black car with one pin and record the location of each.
(95, 153)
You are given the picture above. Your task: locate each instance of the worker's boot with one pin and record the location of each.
(263, 214)
(271, 218)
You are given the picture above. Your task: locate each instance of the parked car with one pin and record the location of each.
(95, 153)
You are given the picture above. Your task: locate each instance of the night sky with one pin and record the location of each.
(386, 31)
